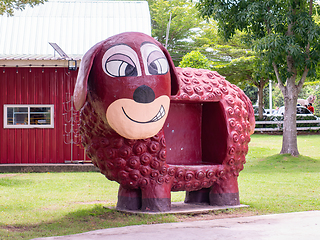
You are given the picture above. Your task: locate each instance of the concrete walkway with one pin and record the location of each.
(302, 226)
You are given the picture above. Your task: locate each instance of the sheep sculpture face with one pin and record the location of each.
(132, 80)
(125, 87)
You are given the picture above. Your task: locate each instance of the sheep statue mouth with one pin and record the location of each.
(135, 120)
(156, 118)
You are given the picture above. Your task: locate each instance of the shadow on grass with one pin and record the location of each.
(11, 182)
(81, 221)
(284, 163)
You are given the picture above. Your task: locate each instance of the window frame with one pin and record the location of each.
(5, 115)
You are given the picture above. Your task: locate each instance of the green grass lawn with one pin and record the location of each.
(273, 183)
(49, 204)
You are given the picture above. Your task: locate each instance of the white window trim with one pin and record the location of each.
(5, 117)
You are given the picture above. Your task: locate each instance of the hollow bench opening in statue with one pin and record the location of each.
(155, 128)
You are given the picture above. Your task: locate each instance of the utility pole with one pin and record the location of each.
(168, 30)
(270, 96)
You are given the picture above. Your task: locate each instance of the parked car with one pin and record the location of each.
(256, 110)
(270, 111)
(266, 115)
(302, 114)
(301, 111)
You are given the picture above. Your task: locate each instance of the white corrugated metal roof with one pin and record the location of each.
(74, 25)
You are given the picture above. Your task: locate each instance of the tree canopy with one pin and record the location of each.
(8, 6)
(183, 18)
(285, 34)
(233, 58)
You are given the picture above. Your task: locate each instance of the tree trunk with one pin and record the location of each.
(260, 85)
(289, 140)
(260, 100)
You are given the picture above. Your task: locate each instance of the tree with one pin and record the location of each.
(285, 34)
(233, 59)
(251, 92)
(247, 70)
(10, 5)
(211, 44)
(277, 97)
(195, 59)
(184, 18)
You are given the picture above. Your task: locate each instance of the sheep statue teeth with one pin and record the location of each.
(155, 128)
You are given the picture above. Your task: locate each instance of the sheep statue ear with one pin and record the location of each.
(80, 90)
(173, 72)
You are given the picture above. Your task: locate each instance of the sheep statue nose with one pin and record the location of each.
(143, 94)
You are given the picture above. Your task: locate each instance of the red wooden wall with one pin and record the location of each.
(37, 86)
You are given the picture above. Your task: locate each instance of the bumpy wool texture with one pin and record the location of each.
(135, 163)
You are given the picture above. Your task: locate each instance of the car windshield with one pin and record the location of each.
(302, 110)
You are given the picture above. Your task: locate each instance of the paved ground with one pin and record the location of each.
(187, 208)
(302, 226)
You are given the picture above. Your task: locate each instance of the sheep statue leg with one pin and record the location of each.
(156, 197)
(129, 199)
(200, 196)
(225, 193)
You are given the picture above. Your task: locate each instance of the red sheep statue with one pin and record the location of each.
(155, 128)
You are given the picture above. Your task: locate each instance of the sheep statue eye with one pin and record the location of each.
(121, 61)
(154, 60)
(119, 65)
(157, 63)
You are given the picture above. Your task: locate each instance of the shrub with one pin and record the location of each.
(195, 59)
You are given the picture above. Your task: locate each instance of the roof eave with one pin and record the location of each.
(35, 63)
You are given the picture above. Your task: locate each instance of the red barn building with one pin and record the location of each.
(36, 110)
(38, 124)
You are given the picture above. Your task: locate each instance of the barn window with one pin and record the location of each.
(28, 116)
